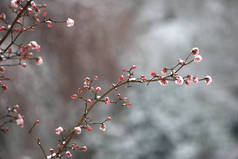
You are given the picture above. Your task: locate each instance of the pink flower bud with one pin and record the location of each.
(3, 16)
(74, 96)
(153, 74)
(24, 65)
(208, 80)
(98, 89)
(52, 151)
(37, 121)
(89, 101)
(108, 118)
(187, 82)
(163, 82)
(2, 28)
(195, 79)
(49, 23)
(95, 78)
(89, 128)
(107, 100)
(14, 3)
(20, 121)
(123, 70)
(68, 154)
(69, 22)
(30, 11)
(180, 61)
(198, 58)
(103, 127)
(190, 78)
(118, 95)
(2, 69)
(179, 80)
(59, 130)
(142, 77)
(121, 78)
(164, 70)
(125, 99)
(39, 60)
(44, 14)
(84, 148)
(16, 107)
(78, 129)
(195, 51)
(133, 67)
(4, 88)
(80, 90)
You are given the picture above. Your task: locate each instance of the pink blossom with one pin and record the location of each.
(98, 89)
(39, 60)
(69, 22)
(195, 51)
(164, 70)
(107, 100)
(20, 121)
(179, 80)
(68, 154)
(59, 130)
(208, 80)
(198, 58)
(103, 127)
(78, 129)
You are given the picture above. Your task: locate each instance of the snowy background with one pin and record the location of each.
(173, 122)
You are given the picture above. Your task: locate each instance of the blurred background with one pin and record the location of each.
(172, 122)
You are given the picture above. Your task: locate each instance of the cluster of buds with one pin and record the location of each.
(172, 74)
(65, 151)
(12, 116)
(126, 78)
(13, 53)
